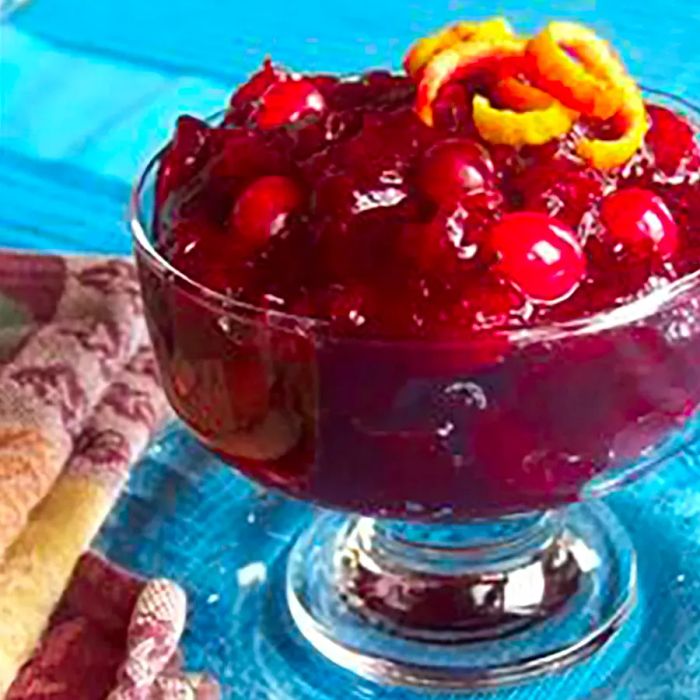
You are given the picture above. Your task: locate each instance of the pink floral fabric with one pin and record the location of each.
(113, 636)
(79, 401)
(70, 326)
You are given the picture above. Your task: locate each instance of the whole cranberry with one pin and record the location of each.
(243, 101)
(241, 156)
(506, 161)
(183, 157)
(640, 221)
(202, 251)
(558, 187)
(672, 140)
(452, 111)
(452, 168)
(538, 254)
(683, 201)
(453, 234)
(263, 208)
(287, 101)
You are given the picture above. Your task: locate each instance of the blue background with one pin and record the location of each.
(88, 90)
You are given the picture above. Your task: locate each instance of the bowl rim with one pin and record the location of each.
(625, 314)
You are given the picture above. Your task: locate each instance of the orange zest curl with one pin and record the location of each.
(425, 49)
(591, 84)
(457, 61)
(519, 95)
(533, 127)
(632, 117)
(569, 72)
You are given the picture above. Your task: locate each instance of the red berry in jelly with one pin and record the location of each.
(454, 234)
(539, 255)
(558, 186)
(453, 111)
(673, 141)
(640, 221)
(183, 157)
(243, 102)
(287, 101)
(261, 212)
(376, 193)
(454, 167)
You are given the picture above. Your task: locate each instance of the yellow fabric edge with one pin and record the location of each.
(37, 567)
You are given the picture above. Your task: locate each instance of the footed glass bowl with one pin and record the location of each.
(461, 543)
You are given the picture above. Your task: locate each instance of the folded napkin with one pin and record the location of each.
(79, 401)
(104, 612)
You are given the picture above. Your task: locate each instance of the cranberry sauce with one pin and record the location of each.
(380, 263)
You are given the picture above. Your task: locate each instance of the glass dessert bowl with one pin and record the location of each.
(368, 304)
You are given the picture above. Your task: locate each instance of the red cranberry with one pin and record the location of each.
(243, 100)
(672, 140)
(538, 254)
(454, 167)
(243, 155)
(262, 210)
(454, 233)
(202, 251)
(640, 221)
(506, 161)
(184, 156)
(559, 187)
(452, 111)
(288, 101)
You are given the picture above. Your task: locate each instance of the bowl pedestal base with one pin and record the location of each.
(466, 606)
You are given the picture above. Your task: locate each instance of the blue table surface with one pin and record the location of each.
(87, 93)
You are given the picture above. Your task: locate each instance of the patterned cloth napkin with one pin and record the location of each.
(79, 401)
(104, 612)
